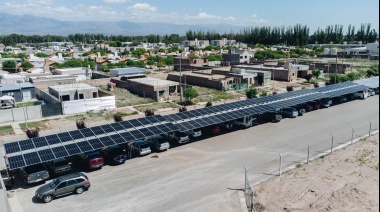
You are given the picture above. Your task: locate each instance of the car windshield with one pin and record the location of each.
(180, 134)
(161, 140)
(54, 183)
(117, 151)
(94, 155)
(143, 146)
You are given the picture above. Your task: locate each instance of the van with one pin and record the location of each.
(361, 94)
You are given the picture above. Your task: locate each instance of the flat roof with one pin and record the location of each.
(70, 87)
(154, 82)
(15, 86)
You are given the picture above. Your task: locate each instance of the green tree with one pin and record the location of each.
(190, 94)
(138, 52)
(40, 54)
(26, 65)
(150, 63)
(316, 73)
(76, 64)
(373, 71)
(10, 66)
(208, 104)
(251, 93)
(263, 93)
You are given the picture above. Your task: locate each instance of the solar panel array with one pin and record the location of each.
(37, 150)
(372, 82)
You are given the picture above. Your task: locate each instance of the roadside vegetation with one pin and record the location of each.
(125, 98)
(6, 130)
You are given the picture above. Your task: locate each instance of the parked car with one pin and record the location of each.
(361, 94)
(40, 102)
(158, 143)
(194, 133)
(339, 100)
(371, 92)
(178, 137)
(213, 130)
(71, 183)
(315, 104)
(59, 166)
(350, 97)
(376, 90)
(33, 174)
(246, 122)
(307, 107)
(272, 116)
(301, 109)
(289, 112)
(139, 148)
(113, 155)
(91, 160)
(325, 102)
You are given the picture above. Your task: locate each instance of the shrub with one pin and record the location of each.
(251, 93)
(81, 124)
(33, 133)
(316, 73)
(118, 117)
(309, 77)
(289, 88)
(316, 85)
(208, 104)
(263, 93)
(149, 112)
(182, 109)
(190, 94)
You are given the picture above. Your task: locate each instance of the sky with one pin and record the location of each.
(314, 14)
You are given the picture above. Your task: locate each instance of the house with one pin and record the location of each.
(128, 72)
(11, 78)
(189, 63)
(79, 72)
(196, 43)
(19, 91)
(72, 92)
(234, 57)
(287, 72)
(222, 43)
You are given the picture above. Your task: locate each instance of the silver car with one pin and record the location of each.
(158, 143)
(139, 148)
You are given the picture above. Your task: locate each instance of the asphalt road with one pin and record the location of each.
(195, 176)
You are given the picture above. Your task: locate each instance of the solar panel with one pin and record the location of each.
(171, 127)
(107, 141)
(32, 158)
(126, 124)
(195, 124)
(26, 144)
(135, 123)
(117, 126)
(16, 162)
(64, 137)
(144, 121)
(146, 132)
(52, 139)
(60, 152)
(72, 149)
(84, 146)
(46, 155)
(12, 147)
(195, 113)
(159, 118)
(117, 139)
(39, 142)
(87, 132)
(173, 117)
(96, 144)
(76, 134)
(107, 128)
(155, 130)
(183, 115)
(97, 130)
(137, 134)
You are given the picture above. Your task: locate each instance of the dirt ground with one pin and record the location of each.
(347, 180)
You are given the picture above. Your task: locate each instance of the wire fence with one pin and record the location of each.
(303, 155)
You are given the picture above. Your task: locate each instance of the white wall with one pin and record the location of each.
(84, 105)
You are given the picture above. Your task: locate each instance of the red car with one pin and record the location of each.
(92, 160)
(213, 130)
(315, 105)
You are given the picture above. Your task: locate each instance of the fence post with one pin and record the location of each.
(279, 170)
(308, 153)
(332, 143)
(352, 135)
(370, 129)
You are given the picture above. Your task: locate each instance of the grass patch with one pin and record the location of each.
(97, 115)
(40, 124)
(125, 98)
(25, 104)
(6, 130)
(156, 106)
(212, 95)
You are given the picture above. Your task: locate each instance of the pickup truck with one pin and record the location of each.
(59, 166)
(33, 174)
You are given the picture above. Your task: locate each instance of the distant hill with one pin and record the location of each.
(33, 25)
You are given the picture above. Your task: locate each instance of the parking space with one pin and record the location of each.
(195, 176)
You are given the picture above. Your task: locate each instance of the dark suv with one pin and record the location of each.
(301, 109)
(289, 112)
(272, 116)
(114, 155)
(71, 183)
(315, 104)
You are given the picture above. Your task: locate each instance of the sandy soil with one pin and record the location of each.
(348, 180)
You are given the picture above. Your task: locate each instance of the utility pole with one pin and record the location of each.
(336, 67)
(180, 77)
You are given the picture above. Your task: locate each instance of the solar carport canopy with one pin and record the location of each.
(372, 82)
(42, 149)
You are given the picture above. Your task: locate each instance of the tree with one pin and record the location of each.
(263, 93)
(10, 66)
(150, 63)
(289, 88)
(251, 93)
(373, 71)
(81, 124)
(190, 94)
(309, 77)
(208, 104)
(33, 133)
(26, 65)
(316, 73)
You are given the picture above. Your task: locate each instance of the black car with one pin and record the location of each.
(305, 106)
(325, 102)
(339, 100)
(113, 155)
(289, 112)
(272, 116)
(315, 104)
(301, 109)
(350, 97)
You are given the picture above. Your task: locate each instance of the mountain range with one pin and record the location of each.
(33, 25)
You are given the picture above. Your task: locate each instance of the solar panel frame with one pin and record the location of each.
(160, 118)
(40, 142)
(117, 126)
(146, 132)
(137, 134)
(32, 158)
(97, 130)
(128, 136)
(15, 162)
(12, 147)
(126, 125)
(46, 155)
(26, 144)
(155, 130)
(87, 132)
(144, 121)
(76, 135)
(107, 128)
(135, 123)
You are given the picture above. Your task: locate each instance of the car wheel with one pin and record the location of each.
(48, 198)
(79, 190)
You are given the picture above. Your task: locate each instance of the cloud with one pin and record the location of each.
(39, 1)
(141, 8)
(116, 1)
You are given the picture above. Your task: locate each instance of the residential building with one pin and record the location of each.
(223, 42)
(128, 72)
(19, 91)
(79, 72)
(72, 92)
(196, 43)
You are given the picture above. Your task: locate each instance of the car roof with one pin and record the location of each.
(157, 137)
(140, 142)
(93, 153)
(59, 160)
(71, 175)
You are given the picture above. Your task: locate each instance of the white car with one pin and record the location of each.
(361, 94)
(194, 133)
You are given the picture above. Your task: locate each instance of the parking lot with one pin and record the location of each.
(195, 176)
